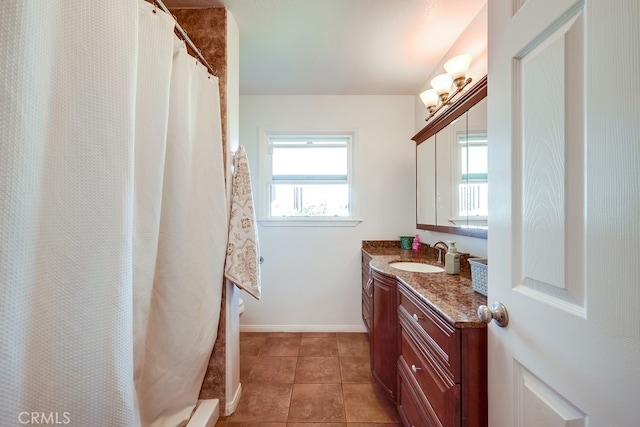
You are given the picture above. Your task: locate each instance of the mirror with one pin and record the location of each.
(451, 162)
(426, 181)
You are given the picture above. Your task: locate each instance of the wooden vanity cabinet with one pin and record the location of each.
(383, 342)
(442, 370)
(366, 292)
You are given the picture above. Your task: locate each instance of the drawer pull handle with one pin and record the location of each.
(416, 317)
(415, 369)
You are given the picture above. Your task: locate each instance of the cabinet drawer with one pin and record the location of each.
(366, 312)
(440, 338)
(409, 407)
(367, 288)
(365, 264)
(441, 393)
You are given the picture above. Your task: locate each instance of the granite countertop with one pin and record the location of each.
(450, 295)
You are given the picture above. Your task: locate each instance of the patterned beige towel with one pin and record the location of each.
(243, 264)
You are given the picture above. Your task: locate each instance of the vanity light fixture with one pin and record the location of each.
(441, 95)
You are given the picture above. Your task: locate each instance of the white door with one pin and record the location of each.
(564, 242)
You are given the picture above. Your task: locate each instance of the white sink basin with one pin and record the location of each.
(417, 267)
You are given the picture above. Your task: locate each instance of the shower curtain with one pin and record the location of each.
(112, 216)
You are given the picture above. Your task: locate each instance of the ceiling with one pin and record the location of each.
(341, 47)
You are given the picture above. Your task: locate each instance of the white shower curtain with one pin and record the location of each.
(155, 58)
(187, 289)
(87, 197)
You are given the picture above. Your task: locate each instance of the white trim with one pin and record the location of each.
(309, 222)
(303, 328)
(206, 414)
(231, 406)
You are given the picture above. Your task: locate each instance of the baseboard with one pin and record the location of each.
(302, 328)
(231, 407)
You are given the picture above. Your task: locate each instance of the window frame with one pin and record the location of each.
(266, 179)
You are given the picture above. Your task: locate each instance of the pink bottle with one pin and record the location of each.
(416, 245)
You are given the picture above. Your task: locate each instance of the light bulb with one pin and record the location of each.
(442, 85)
(429, 98)
(457, 68)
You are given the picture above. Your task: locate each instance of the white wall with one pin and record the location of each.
(311, 275)
(232, 348)
(474, 41)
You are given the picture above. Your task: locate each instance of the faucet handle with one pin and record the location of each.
(439, 246)
(440, 243)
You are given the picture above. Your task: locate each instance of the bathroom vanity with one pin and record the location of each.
(428, 348)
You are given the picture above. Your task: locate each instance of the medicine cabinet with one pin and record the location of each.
(451, 164)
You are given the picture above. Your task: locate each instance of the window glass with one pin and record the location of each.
(319, 163)
(309, 200)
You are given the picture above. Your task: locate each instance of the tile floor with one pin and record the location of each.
(308, 380)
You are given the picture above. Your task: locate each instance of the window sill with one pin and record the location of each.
(309, 222)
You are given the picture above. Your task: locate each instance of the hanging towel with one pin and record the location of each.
(243, 265)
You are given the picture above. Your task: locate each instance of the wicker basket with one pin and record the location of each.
(479, 275)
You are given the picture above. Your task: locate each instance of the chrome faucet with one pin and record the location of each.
(439, 246)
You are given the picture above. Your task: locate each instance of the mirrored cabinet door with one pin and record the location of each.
(474, 190)
(426, 181)
(461, 170)
(450, 145)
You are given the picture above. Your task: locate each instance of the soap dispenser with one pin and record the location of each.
(452, 259)
(416, 246)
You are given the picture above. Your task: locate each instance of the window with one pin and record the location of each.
(307, 177)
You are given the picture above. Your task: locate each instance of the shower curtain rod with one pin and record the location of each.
(186, 38)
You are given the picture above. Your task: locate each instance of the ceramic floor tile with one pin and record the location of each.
(246, 364)
(224, 423)
(356, 347)
(318, 346)
(372, 425)
(271, 334)
(283, 334)
(320, 403)
(318, 370)
(255, 424)
(250, 346)
(253, 334)
(262, 402)
(317, 425)
(273, 369)
(331, 335)
(353, 336)
(280, 346)
(365, 403)
(355, 370)
(329, 391)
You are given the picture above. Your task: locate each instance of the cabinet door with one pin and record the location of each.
(384, 352)
(366, 292)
